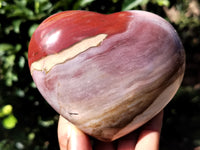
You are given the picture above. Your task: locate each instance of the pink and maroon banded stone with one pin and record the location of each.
(106, 74)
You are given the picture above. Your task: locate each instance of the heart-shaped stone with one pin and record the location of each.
(106, 74)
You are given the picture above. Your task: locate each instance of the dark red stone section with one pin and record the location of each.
(64, 29)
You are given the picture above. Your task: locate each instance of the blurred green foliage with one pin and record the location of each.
(9, 120)
(28, 123)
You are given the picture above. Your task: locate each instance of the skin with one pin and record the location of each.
(147, 137)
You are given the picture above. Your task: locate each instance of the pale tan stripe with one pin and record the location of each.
(45, 64)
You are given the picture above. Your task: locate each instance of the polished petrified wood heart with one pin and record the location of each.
(107, 74)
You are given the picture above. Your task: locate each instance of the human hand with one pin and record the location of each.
(147, 137)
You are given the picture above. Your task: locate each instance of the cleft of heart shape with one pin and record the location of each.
(106, 74)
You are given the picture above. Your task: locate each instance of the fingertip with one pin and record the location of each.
(150, 135)
(70, 137)
(63, 133)
(79, 140)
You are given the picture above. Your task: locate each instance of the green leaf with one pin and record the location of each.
(22, 12)
(84, 3)
(21, 62)
(46, 123)
(130, 4)
(16, 25)
(9, 122)
(33, 85)
(32, 29)
(37, 6)
(7, 109)
(9, 48)
(10, 77)
(9, 61)
(31, 136)
(45, 6)
(20, 93)
(163, 3)
(5, 47)
(18, 47)
(21, 3)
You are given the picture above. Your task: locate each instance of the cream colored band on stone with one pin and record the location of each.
(45, 64)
